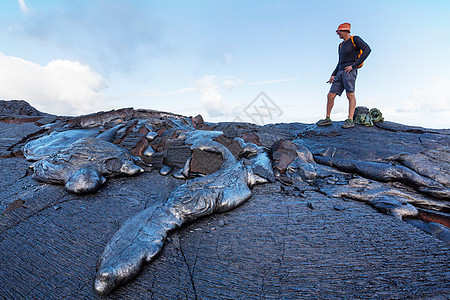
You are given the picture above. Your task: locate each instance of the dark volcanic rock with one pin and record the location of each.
(101, 118)
(283, 154)
(387, 173)
(251, 138)
(12, 136)
(205, 162)
(15, 178)
(40, 148)
(317, 253)
(324, 238)
(232, 145)
(141, 237)
(433, 164)
(177, 153)
(18, 107)
(84, 164)
(435, 229)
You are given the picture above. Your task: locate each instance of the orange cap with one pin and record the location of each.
(344, 26)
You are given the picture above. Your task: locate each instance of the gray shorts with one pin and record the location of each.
(344, 81)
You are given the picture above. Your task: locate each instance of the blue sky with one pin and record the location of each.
(216, 57)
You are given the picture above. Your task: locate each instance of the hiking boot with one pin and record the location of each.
(348, 124)
(324, 122)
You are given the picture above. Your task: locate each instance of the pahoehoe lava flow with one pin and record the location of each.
(305, 175)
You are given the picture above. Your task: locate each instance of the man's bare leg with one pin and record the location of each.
(351, 105)
(330, 103)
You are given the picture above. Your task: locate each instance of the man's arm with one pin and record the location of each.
(360, 44)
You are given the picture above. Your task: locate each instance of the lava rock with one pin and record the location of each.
(18, 107)
(283, 153)
(339, 207)
(205, 162)
(83, 165)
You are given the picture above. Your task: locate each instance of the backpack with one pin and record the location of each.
(360, 51)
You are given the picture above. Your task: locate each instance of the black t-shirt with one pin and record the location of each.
(348, 54)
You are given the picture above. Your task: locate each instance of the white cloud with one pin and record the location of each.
(434, 98)
(61, 87)
(211, 96)
(211, 89)
(23, 6)
(229, 84)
